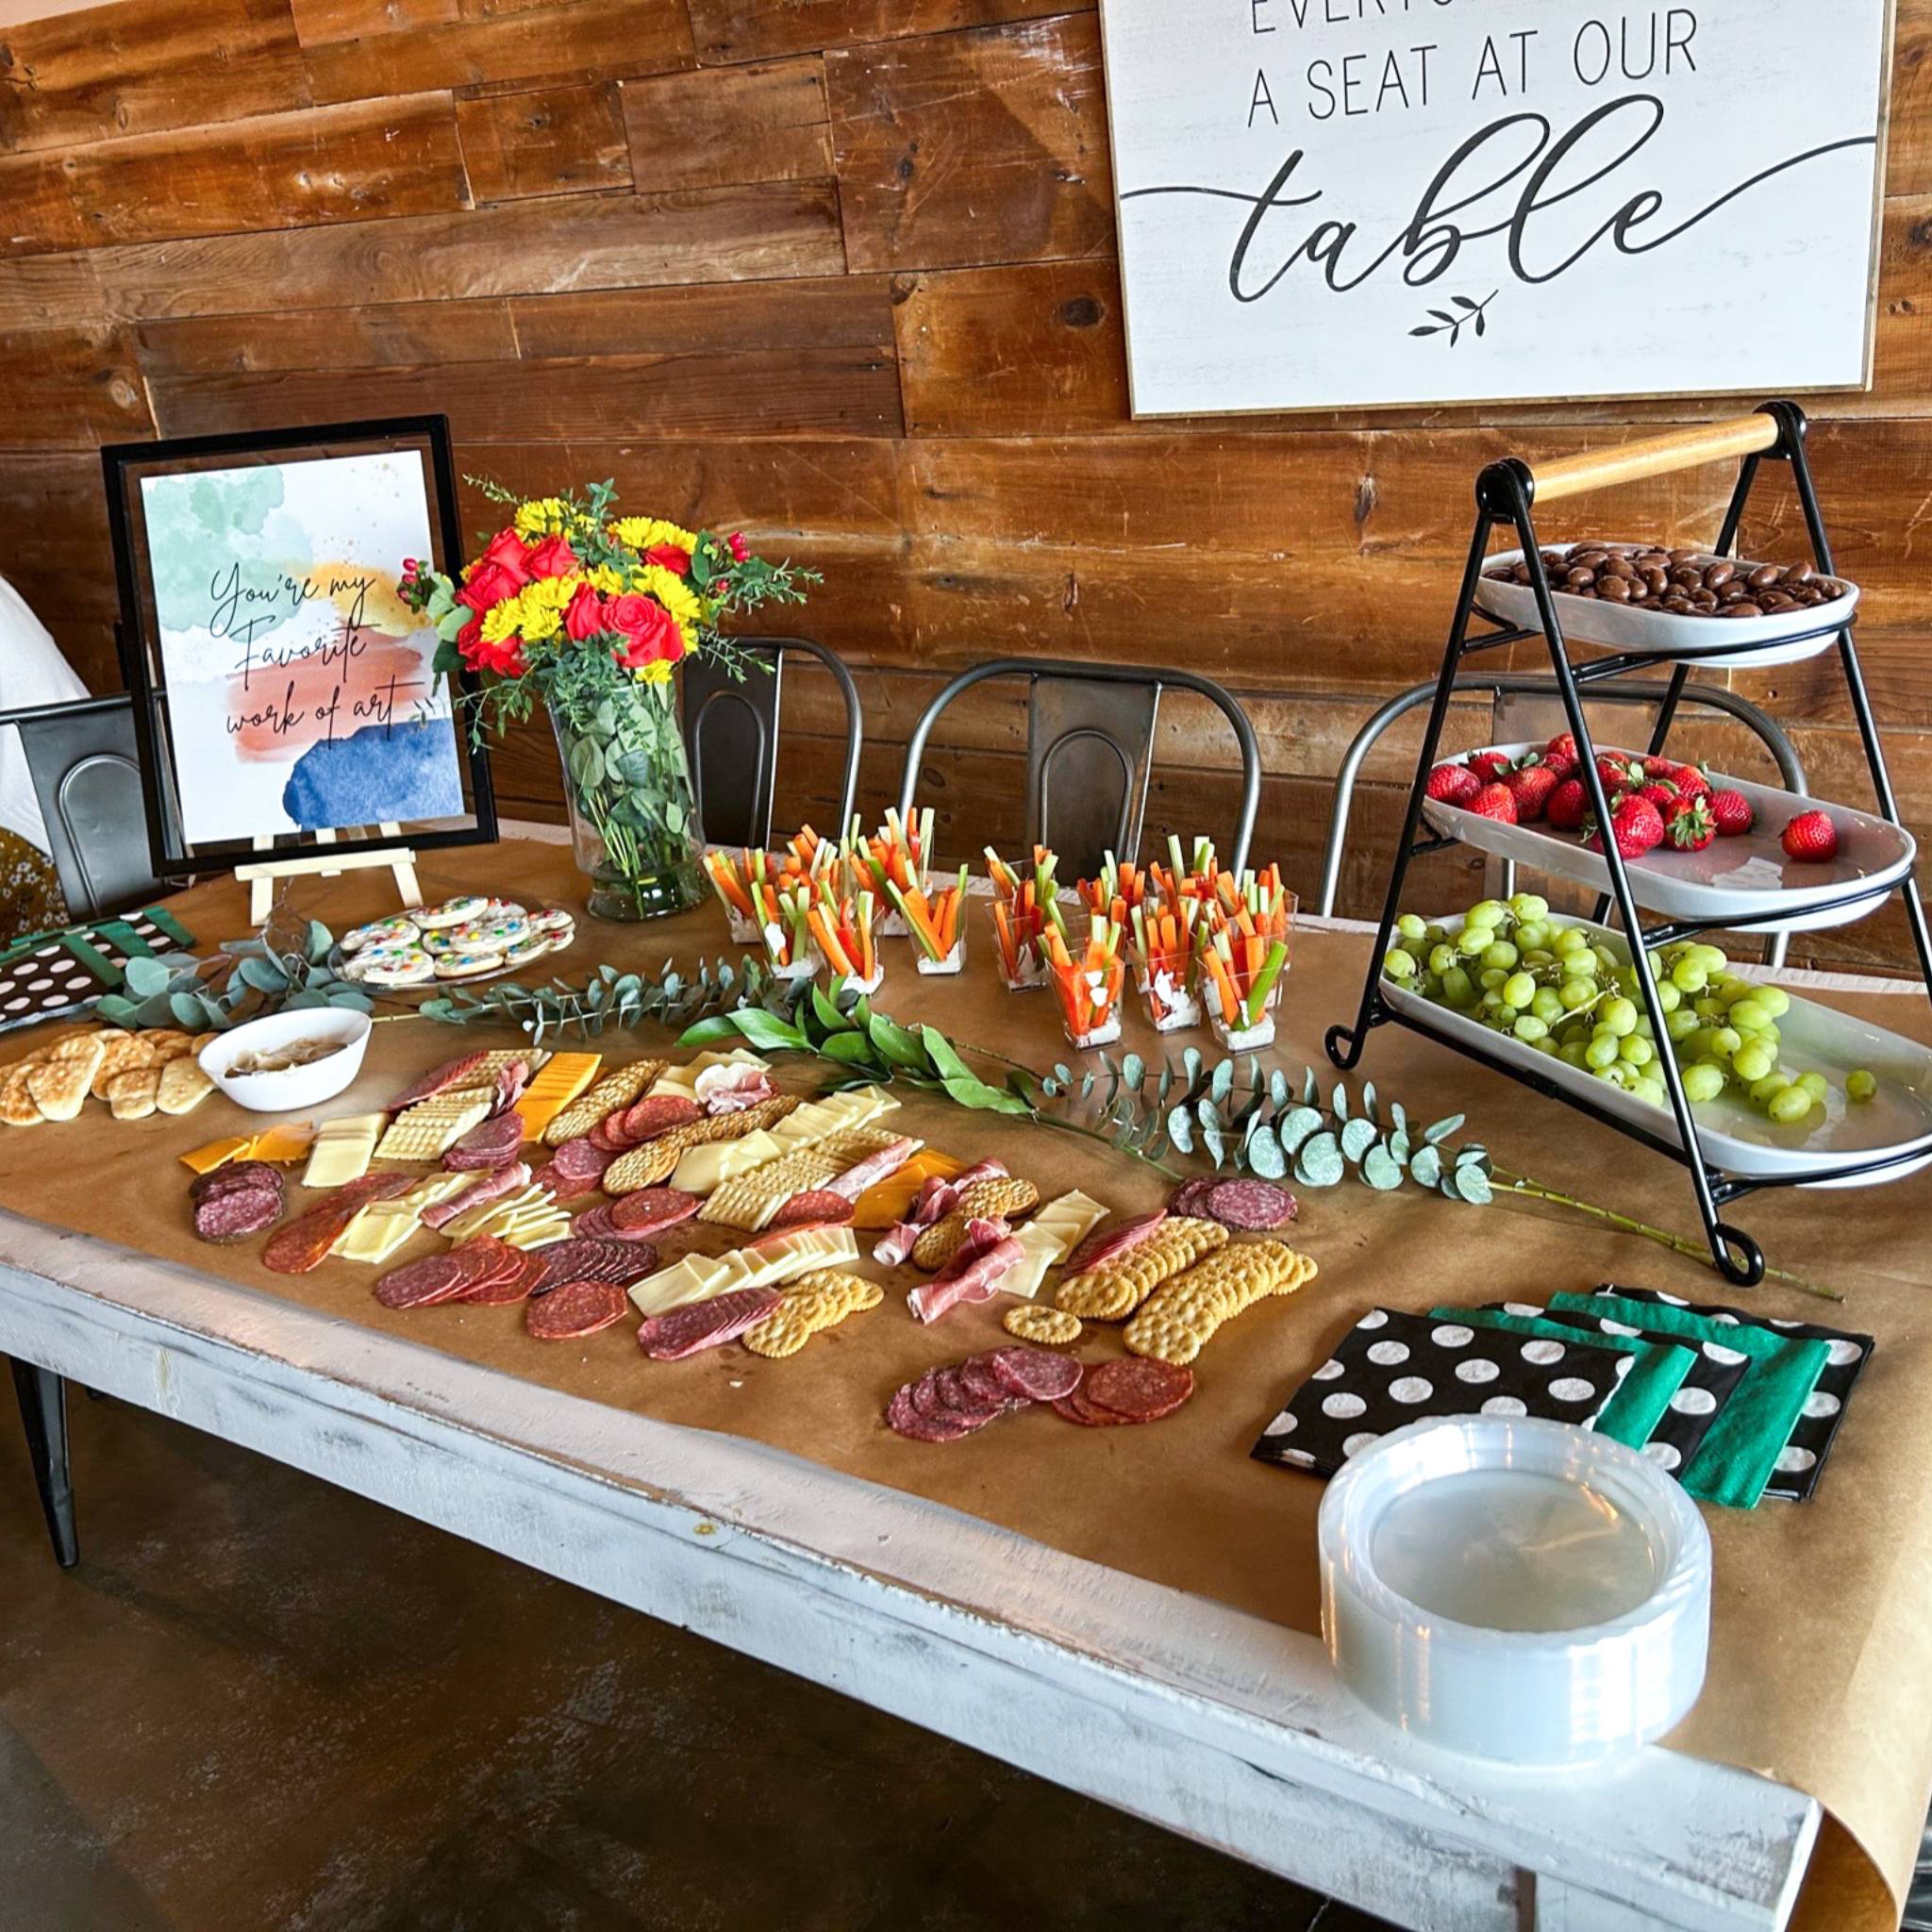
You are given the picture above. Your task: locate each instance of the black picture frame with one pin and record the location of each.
(122, 465)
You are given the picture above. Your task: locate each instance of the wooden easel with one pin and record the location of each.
(401, 860)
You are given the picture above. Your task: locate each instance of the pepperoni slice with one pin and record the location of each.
(1038, 1374)
(917, 1426)
(1252, 1205)
(651, 1210)
(501, 1289)
(1076, 1408)
(1138, 1387)
(655, 1114)
(574, 1309)
(564, 1187)
(422, 1284)
(1191, 1198)
(669, 1338)
(581, 1158)
(814, 1208)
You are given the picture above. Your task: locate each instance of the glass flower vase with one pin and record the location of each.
(633, 824)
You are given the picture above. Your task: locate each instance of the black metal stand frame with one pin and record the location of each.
(1504, 494)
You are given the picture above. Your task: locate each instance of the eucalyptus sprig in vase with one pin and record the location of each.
(589, 613)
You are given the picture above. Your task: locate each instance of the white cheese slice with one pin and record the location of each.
(1050, 1237)
(695, 1278)
(342, 1149)
(376, 1232)
(1074, 1216)
(701, 1168)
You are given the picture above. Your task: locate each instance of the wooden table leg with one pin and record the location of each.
(44, 1412)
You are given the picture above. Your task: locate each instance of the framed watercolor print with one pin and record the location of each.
(284, 697)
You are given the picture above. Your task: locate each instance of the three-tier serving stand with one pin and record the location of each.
(1507, 492)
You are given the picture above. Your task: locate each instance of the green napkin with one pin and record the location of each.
(1655, 1375)
(1751, 1430)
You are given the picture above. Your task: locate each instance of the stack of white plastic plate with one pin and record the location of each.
(1520, 1590)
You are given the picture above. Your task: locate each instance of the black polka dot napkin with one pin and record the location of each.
(1802, 1461)
(1392, 1368)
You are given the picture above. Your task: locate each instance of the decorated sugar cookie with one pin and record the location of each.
(490, 935)
(466, 964)
(396, 931)
(458, 911)
(398, 966)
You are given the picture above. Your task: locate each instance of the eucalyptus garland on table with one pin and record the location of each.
(244, 979)
(608, 998)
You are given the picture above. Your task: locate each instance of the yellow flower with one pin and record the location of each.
(643, 533)
(501, 621)
(541, 516)
(659, 672)
(670, 590)
(608, 579)
(543, 602)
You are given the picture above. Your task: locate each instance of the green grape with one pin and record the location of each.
(1575, 994)
(1751, 1062)
(1570, 1054)
(1813, 1084)
(1579, 966)
(1620, 1074)
(1530, 1029)
(1708, 1007)
(1572, 939)
(1530, 907)
(1504, 1016)
(1412, 927)
(1660, 963)
(1703, 1081)
(1682, 1026)
(1459, 988)
(1606, 958)
(1489, 912)
(1748, 1016)
(1651, 1089)
(1791, 1106)
(1602, 1050)
(1618, 1017)
(1473, 940)
(1519, 989)
(1714, 959)
(1772, 1083)
(1686, 976)
(1725, 1043)
(1669, 999)
(1491, 979)
(1441, 959)
(1775, 1000)
(1398, 964)
(1533, 935)
(1500, 954)
(1637, 1051)
(1547, 1004)
(1539, 958)
(1644, 1030)
(1860, 1086)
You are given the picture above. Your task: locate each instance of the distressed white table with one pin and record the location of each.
(1211, 1723)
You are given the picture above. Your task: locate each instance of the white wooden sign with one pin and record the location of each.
(1335, 203)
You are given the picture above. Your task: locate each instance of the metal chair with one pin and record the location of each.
(1527, 706)
(731, 738)
(1090, 752)
(86, 776)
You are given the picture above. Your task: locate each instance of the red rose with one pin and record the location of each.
(505, 659)
(670, 557)
(553, 558)
(649, 631)
(506, 552)
(585, 616)
(739, 548)
(488, 585)
(469, 638)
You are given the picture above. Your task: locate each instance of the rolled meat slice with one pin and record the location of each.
(973, 1273)
(497, 1184)
(873, 1169)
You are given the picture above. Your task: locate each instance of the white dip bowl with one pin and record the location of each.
(294, 1087)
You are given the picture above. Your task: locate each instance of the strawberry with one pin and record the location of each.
(1531, 786)
(1733, 813)
(1562, 746)
(1811, 839)
(1453, 784)
(1688, 778)
(1638, 825)
(1489, 766)
(1689, 825)
(1569, 806)
(1655, 766)
(1661, 792)
(1495, 802)
(1562, 765)
(1619, 772)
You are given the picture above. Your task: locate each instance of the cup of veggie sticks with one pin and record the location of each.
(1186, 876)
(842, 937)
(936, 922)
(1166, 968)
(1244, 951)
(782, 925)
(1018, 915)
(1118, 889)
(1087, 984)
(732, 879)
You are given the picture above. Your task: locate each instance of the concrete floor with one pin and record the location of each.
(263, 1703)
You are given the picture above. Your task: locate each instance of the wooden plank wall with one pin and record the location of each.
(840, 272)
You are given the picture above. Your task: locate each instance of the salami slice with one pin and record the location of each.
(609, 1136)
(905, 1419)
(650, 1210)
(957, 1402)
(1038, 1374)
(564, 1187)
(816, 1208)
(983, 1382)
(422, 1284)
(581, 1257)
(238, 1176)
(1256, 1206)
(655, 1115)
(491, 1143)
(574, 1309)
(304, 1244)
(501, 1289)
(1076, 1408)
(238, 1212)
(581, 1158)
(1191, 1198)
(1138, 1387)
(437, 1079)
(926, 1393)
(1106, 1243)
(682, 1332)
(595, 1224)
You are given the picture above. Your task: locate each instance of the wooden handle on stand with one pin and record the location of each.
(1655, 456)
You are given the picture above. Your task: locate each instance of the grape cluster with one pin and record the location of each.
(1552, 986)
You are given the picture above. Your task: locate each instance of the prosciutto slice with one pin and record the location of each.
(496, 1185)
(987, 1251)
(873, 1169)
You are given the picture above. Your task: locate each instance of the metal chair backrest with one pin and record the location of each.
(86, 776)
(1526, 706)
(731, 738)
(1090, 753)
